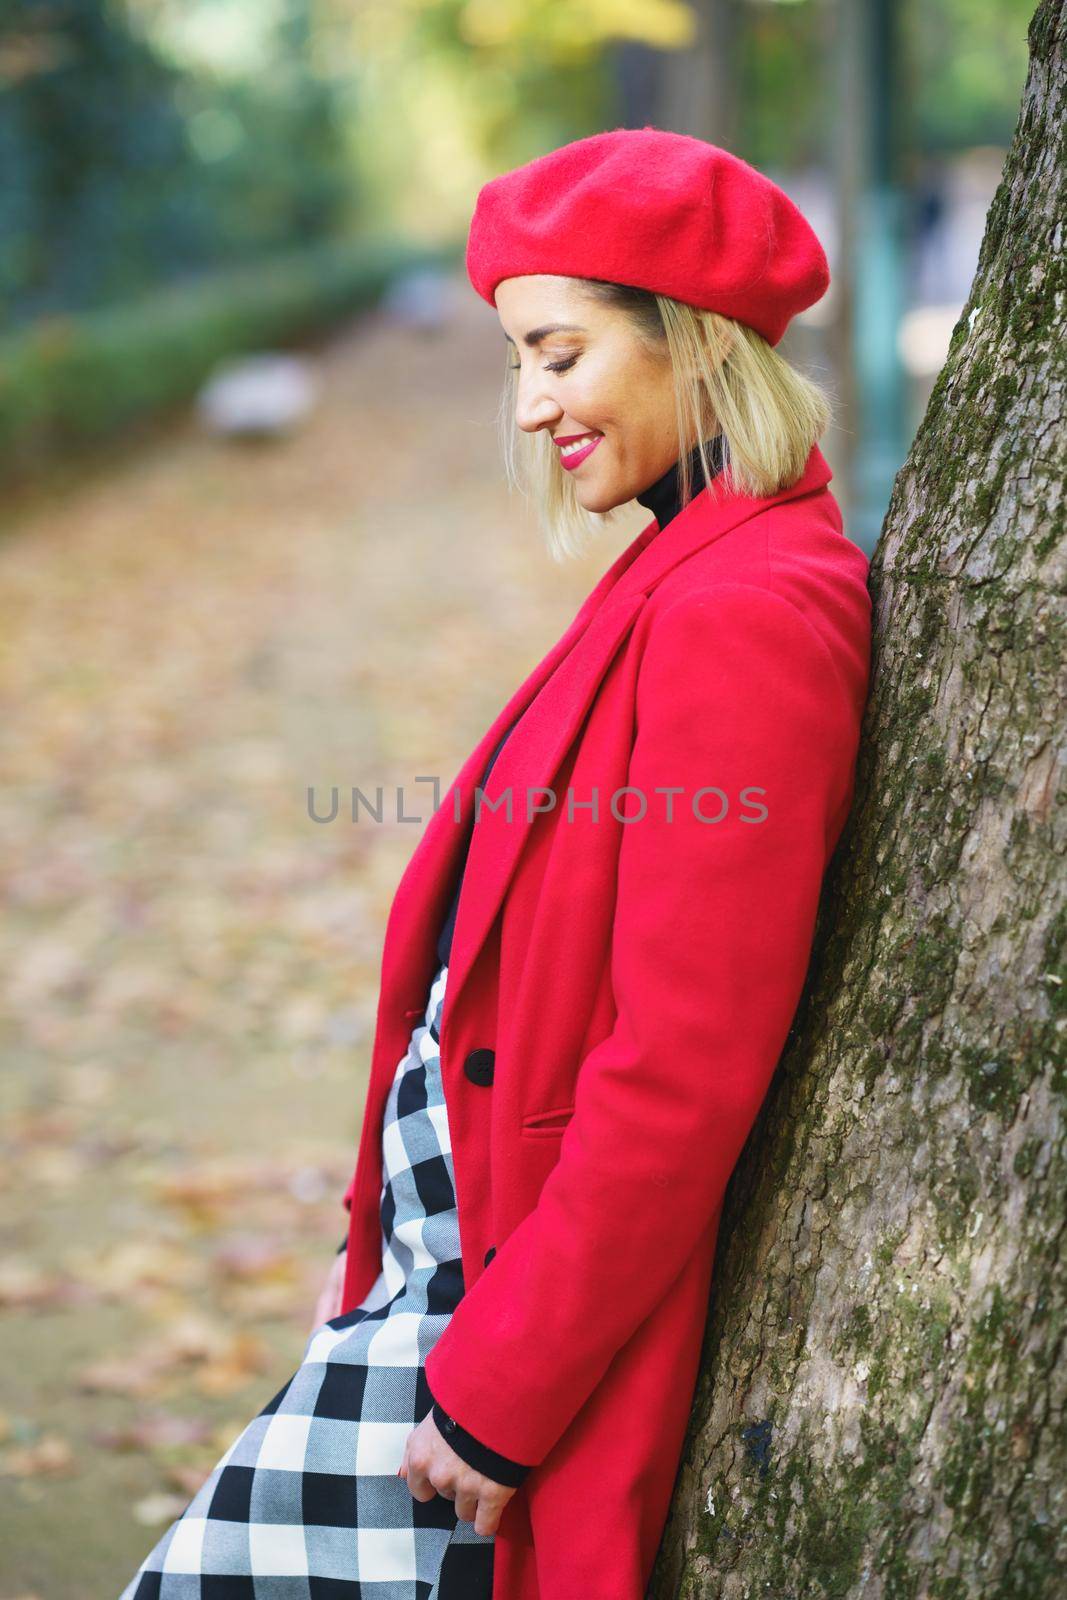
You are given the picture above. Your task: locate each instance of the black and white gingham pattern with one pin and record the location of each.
(306, 1503)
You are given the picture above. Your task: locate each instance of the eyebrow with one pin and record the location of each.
(536, 335)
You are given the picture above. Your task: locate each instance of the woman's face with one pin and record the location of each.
(585, 376)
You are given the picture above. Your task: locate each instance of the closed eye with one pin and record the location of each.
(551, 366)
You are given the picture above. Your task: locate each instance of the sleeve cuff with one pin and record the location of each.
(477, 1455)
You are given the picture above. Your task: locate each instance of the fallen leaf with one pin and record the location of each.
(50, 1455)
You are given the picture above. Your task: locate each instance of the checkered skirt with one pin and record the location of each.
(306, 1503)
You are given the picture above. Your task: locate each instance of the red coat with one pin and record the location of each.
(636, 980)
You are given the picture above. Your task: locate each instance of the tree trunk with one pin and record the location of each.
(699, 85)
(880, 1411)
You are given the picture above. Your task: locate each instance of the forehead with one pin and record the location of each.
(535, 301)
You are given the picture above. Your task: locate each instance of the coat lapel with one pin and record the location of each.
(547, 709)
(528, 761)
(425, 887)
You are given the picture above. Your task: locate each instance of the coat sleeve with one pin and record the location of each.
(711, 938)
(477, 1455)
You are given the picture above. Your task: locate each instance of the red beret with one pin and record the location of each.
(659, 210)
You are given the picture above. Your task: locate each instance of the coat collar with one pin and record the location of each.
(710, 514)
(551, 704)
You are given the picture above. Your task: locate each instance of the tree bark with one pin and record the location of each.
(880, 1408)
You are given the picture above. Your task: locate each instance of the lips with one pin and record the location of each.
(573, 458)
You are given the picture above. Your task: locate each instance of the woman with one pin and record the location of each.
(494, 1398)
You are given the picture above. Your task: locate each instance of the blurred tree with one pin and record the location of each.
(452, 89)
(98, 152)
(269, 124)
(130, 167)
(968, 55)
(966, 59)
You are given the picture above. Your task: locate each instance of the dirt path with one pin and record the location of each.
(188, 963)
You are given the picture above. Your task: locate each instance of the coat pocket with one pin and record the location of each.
(547, 1124)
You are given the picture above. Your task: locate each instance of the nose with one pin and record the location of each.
(534, 406)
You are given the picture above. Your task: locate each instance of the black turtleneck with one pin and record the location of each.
(663, 499)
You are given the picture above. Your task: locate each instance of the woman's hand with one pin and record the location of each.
(329, 1301)
(431, 1466)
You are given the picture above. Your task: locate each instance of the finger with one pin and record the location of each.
(487, 1518)
(419, 1483)
(466, 1506)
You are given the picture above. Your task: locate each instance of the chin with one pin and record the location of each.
(597, 500)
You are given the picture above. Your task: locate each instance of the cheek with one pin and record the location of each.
(592, 393)
(598, 413)
(585, 401)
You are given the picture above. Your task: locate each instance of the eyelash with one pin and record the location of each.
(552, 366)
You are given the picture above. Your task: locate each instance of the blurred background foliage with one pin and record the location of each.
(147, 140)
(132, 158)
(264, 157)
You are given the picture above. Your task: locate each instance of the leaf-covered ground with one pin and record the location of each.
(194, 632)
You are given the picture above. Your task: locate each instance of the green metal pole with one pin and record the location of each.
(878, 298)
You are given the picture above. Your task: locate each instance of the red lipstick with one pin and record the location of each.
(574, 458)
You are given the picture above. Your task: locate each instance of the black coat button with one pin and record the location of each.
(489, 1254)
(479, 1066)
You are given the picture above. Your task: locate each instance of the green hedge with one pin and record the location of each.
(68, 382)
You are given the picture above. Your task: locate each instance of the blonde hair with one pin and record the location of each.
(726, 377)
